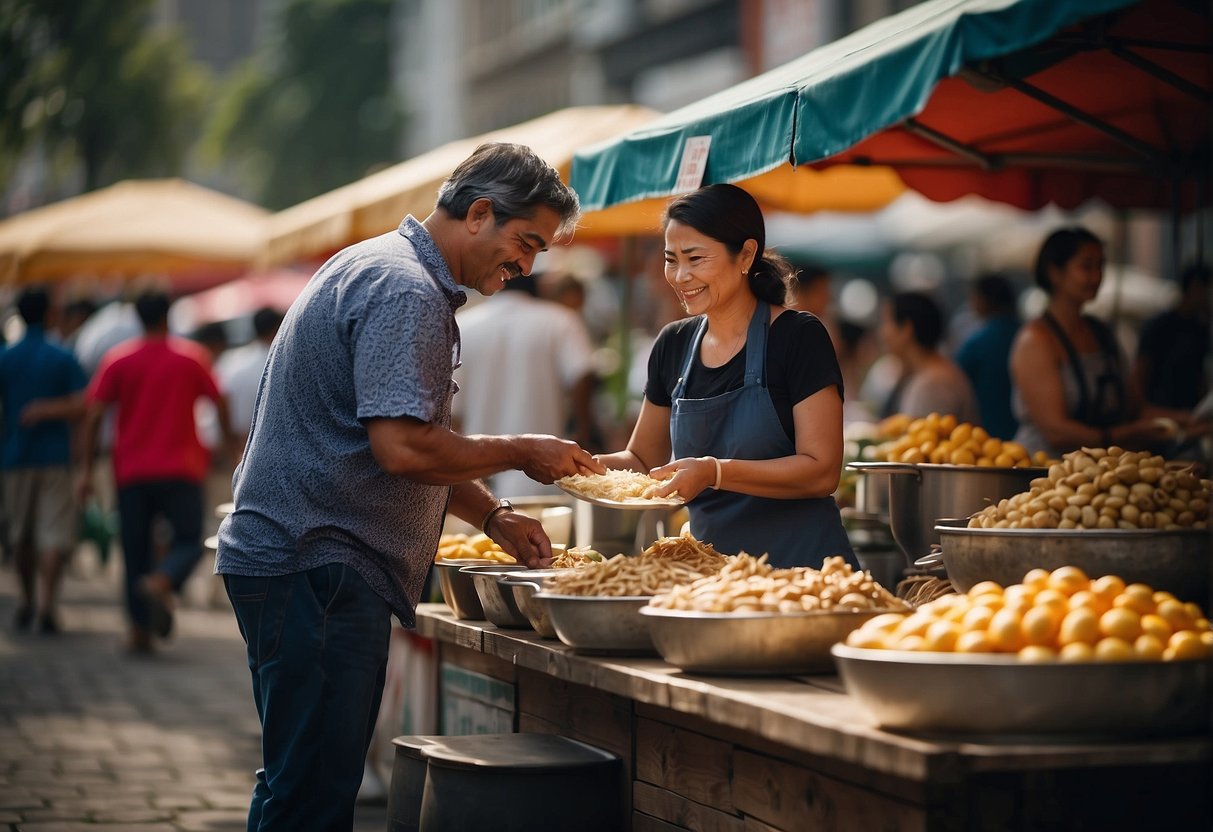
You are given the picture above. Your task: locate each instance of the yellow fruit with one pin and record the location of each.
(941, 637)
(1038, 579)
(1079, 626)
(1086, 599)
(1185, 645)
(1137, 597)
(977, 618)
(1039, 626)
(1202, 625)
(1194, 611)
(1148, 648)
(961, 433)
(1004, 460)
(1005, 631)
(1156, 626)
(1078, 651)
(1162, 595)
(1040, 459)
(979, 434)
(1037, 653)
(863, 637)
(1068, 579)
(974, 641)
(913, 643)
(1052, 598)
(885, 622)
(915, 625)
(983, 588)
(991, 448)
(994, 602)
(963, 456)
(1206, 638)
(1108, 587)
(1176, 614)
(1122, 623)
(947, 423)
(913, 456)
(1113, 649)
(1015, 450)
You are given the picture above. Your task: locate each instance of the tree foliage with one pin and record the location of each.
(314, 109)
(91, 83)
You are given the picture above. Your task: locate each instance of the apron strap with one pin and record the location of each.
(689, 359)
(756, 345)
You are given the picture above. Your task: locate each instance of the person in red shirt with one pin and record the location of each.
(159, 464)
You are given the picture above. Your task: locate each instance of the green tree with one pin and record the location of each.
(91, 83)
(314, 109)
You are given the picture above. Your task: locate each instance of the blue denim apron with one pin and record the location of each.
(743, 424)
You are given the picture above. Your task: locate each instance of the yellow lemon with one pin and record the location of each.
(1005, 631)
(1122, 623)
(1108, 587)
(1148, 648)
(1079, 626)
(974, 641)
(1038, 579)
(942, 635)
(1037, 653)
(1068, 579)
(1156, 626)
(1113, 649)
(977, 618)
(1039, 626)
(1078, 651)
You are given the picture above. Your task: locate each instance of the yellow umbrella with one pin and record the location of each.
(136, 227)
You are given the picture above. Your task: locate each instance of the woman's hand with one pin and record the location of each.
(688, 476)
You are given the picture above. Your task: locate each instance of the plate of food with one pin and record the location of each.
(617, 489)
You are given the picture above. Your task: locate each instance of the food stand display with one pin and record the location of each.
(794, 753)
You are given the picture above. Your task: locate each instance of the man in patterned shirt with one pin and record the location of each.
(350, 466)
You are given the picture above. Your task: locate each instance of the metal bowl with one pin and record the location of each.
(599, 624)
(458, 590)
(524, 583)
(496, 600)
(750, 644)
(1000, 698)
(1177, 561)
(920, 494)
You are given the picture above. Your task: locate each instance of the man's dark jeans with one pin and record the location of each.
(317, 648)
(180, 503)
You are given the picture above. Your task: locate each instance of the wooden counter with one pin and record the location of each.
(717, 753)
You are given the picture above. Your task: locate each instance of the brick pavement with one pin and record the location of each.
(92, 738)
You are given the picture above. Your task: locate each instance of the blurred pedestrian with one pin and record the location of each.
(1072, 384)
(159, 464)
(911, 326)
(238, 370)
(350, 467)
(528, 367)
(1172, 367)
(40, 387)
(985, 355)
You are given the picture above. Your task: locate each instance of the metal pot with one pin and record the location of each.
(1176, 561)
(496, 600)
(600, 624)
(920, 494)
(524, 583)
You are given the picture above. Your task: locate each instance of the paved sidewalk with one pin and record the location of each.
(92, 738)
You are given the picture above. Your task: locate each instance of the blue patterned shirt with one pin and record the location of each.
(372, 335)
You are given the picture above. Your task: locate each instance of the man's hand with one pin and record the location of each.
(523, 537)
(548, 458)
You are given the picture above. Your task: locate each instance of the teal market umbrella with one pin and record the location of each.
(1028, 102)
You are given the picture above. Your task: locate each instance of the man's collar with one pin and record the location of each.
(433, 261)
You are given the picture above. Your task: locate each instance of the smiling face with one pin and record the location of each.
(702, 272)
(495, 254)
(1079, 277)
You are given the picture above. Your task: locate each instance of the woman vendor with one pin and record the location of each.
(745, 395)
(1072, 387)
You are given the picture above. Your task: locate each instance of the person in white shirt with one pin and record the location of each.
(911, 327)
(239, 369)
(527, 367)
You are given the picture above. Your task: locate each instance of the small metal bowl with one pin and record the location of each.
(600, 624)
(751, 643)
(458, 590)
(524, 583)
(496, 600)
(1000, 698)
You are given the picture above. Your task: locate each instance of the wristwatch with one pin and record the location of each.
(502, 505)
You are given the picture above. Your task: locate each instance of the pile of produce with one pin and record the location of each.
(1098, 488)
(1052, 616)
(941, 440)
(668, 562)
(480, 547)
(749, 584)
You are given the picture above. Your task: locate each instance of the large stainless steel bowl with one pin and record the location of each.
(920, 494)
(458, 590)
(998, 697)
(750, 644)
(605, 625)
(496, 600)
(1177, 561)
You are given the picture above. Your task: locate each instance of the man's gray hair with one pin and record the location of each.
(515, 180)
